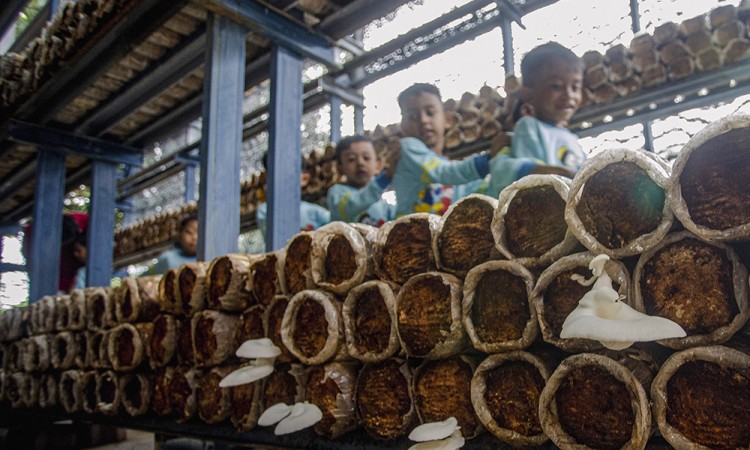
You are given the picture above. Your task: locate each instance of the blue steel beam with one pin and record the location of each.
(285, 139)
(335, 118)
(20, 177)
(9, 228)
(101, 224)
(63, 141)
(46, 233)
(172, 67)
(9, 267)
(280, 28)
(224, 83)
(9, 10)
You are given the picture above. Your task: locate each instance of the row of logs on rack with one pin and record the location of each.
(430, 317)
(674, 51)
(74, 22)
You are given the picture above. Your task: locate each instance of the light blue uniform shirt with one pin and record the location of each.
(365, 205)
(534, 142)
(427, 182)
(311, 216)
(171, 259)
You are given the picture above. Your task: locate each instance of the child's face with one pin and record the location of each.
(189, 238)
(557, 93)
(423, 117)
(359, 164)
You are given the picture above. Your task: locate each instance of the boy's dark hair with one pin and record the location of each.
(535, 60)
(186, 220)
(347, 142)
(416, 89)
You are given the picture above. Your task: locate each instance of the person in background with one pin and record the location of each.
(184, 250)
(73, 224)
(552, 92)
(80, 252)
(311, 215)
(424, 180)
(359, 199)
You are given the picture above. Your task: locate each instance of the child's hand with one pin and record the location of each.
(391, 160)
(543, 169)
(499, 142)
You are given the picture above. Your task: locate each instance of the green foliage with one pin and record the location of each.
(26, 16)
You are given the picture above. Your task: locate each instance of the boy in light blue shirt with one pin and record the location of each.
(360, 198)
(552, 91)
(185, 250)
(424, 180)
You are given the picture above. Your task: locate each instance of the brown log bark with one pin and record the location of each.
(654, 75)
(245, 405)
(161, 402)
(428, 312)
(665, 33)
(698, 42)
(681, 68)
(529, 223)
(736, 50)
(135, 393)
(442, 388)
(709, 60)
(404, 247)
(186, 280)
(464, 238)
(127, 346)
(82, 348)
(702, 287)
(78, 311)
(214, 404)
(499, 319)
(646, 59)
(263, 279)
(701, 397)
(272, 320)
(136, 300)
(36, 353)
(62, 311)
(295, 272)
(63, 351)
(100, 308)
(71, 393)
(162, 346)
(48, 390)
(556, 295)
(251, 324)
(226, 283)
(369, 315)
(715, 207)
(383, 398)
(214, 337)
(695, 25)
(331, 388)
(593, 401)
(312, 328)
(168, 293)
(284, 385)
(182, 393)
(617, 205)
(505, 393)
(88, 392)
(108, 395)
(342, 256)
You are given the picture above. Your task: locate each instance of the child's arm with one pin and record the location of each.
(346, 204)
(524, 156)
(429, 167)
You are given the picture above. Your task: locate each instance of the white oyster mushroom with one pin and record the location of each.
(303, 415)
(258, 348)
(453, 442)
(274, 414)
(601, 315)
(259, 369)
(434, 431)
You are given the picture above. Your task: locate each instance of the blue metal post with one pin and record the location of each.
(508, 62)
(285, 120)
(101, 223)
(359, 120)
(223, 91)
(46, 232)
(189, 183)
(335, 118)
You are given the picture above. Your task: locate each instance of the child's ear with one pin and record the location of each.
(304, 178)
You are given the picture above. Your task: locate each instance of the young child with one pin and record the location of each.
(185, 248)
(424, 180)
(311, 216)
(80, 252)
(552, 91)
(359, 200)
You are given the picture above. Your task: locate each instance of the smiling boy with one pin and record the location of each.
(424, 180)
(359, 199)
(552, 90)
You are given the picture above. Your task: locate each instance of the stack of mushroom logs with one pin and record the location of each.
(434, 317)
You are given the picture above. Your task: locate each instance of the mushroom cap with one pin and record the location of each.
(258, 348)
(452, 442)
(274, 414)
(434, 431)
(303, 415)
(247, 374)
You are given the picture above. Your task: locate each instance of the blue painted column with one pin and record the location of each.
(223, 92)
(335, 118)
(46, 231)
(100, 236)
(189, 183)
(285, 140)
(508, 57)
